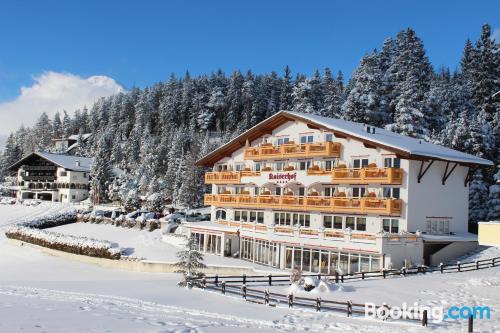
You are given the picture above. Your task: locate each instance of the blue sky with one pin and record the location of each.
(142, 42)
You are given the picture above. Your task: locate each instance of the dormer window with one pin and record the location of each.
(328, 137)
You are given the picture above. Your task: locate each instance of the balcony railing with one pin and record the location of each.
(39, 167)
(367, 176)
(316, 149)
(228, 177)
(383, 206)
(39, 178)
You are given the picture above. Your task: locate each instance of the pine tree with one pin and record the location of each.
(478, 198)
(57, 130)
(43, 133)
(189, 264)
(101, 171)
(286, 99)
(494, 200)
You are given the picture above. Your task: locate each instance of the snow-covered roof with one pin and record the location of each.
(68, 162)
(390, 139)
(461, 237)
(404, 145)
(85, 136)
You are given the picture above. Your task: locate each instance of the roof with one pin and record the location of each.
(68, 162)
(402, 145)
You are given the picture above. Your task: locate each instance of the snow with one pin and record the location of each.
(42, 293)
(146, 245)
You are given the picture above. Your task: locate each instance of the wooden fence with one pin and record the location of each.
(271, 279)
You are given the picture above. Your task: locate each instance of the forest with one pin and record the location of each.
(156, 134)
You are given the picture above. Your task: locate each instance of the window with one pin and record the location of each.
(361, 223)
(358, 192)
(303, 220)
(256, 190)
(390, 162)
(391, 192)
(438, 226)
(282, 219)
(329, 165)
(329, 191)
(359, 163)
(280, 166)
(63, 174)
(281, 141)
(304, 165)
(73, 197)
(257, 167)
(278, 190)
(306, 139)
(349, 222)
(328, 221)
(239, 167)
(390, 225)
(337, 222)
(260, 217)
(220, 214)
(328, 137)
(302, 191)
(84, 175)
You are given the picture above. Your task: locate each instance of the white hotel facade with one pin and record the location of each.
(299, 191)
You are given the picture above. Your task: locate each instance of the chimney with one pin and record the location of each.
(367, 129)
(373, 130)
(77, 162)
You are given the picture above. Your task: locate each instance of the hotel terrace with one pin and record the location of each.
(300, 191)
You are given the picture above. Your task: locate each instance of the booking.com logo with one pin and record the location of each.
(434, 313)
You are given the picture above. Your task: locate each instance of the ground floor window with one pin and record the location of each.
(208, 243)
(260, 251)
(328, 261)
(438, 226)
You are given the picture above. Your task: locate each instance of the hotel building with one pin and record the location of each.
(300, 191)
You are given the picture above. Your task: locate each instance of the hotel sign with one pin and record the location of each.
(282, 177)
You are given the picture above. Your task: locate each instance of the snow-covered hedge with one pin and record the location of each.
(67, 243)
(50, 221)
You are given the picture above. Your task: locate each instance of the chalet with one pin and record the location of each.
(300, 191)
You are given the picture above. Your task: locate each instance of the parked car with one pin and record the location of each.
(115, 214)
(130, 217)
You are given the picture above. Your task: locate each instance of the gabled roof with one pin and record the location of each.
(402, 145)
(68, 162)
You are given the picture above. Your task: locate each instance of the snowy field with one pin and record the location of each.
(41, 293)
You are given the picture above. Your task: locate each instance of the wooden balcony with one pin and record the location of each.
(228, 177)
(380, 206)
(288, 150)
(393, 176)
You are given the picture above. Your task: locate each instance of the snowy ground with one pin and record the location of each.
(144, 244)
(41, 293)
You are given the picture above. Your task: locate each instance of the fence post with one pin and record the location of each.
(244, 279)
(290, 301)
(336, 277)
(216, 280)
(458, 264)
(349, 309)
(471, 325)
(441, 267)
(223, 287)
(318, 304)
(266, 297)
(204, 282)
(362, 275)
(424, 318)
(384, 272)
(270, 279)
(477, 264)
(244, 289)
(403, 271)
(493, 262)
(342, 278)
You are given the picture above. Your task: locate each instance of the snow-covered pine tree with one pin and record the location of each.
(190, 263)
(478, 198)
(57, 130)
(286, 99)
(494, 199)
(101, 171)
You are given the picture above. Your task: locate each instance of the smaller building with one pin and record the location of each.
(489, 233)
(52, 177)
(70, 144)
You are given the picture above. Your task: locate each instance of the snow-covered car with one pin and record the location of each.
(99, 214)
(116, 214)
(174, 217)
(8, 201)
(132, 217)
